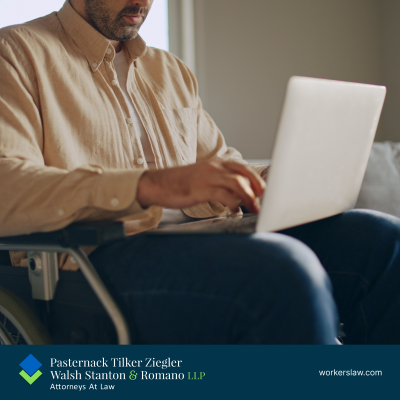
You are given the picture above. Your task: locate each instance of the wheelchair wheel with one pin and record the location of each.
(18, 323)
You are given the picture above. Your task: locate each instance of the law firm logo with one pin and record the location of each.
(30, 369)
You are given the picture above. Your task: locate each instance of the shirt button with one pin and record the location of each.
(109, 51)
(129, 121)
(140, 161)
(114, 83)
(94, 65)
(61, 212)
(115, 202)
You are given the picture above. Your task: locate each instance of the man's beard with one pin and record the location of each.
(112, 25)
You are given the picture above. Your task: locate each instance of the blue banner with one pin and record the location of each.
(199, 372)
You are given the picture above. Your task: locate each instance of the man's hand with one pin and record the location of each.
(227, 182)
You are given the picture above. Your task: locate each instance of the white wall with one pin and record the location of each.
(247, 50)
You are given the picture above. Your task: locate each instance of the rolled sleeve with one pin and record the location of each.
(115, 190)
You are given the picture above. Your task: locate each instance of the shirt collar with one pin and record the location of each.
(92, 43)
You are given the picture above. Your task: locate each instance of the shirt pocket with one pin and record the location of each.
(182, 124)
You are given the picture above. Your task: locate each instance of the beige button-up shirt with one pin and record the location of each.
(68, 148)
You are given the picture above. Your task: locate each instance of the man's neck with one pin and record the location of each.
(79, 7)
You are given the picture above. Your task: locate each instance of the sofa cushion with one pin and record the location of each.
(381, 186)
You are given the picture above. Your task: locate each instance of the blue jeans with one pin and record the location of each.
(291, 287)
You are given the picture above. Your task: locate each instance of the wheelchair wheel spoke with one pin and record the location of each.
(21, 326)
(5, 336)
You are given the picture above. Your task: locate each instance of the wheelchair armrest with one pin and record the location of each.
(78, 234)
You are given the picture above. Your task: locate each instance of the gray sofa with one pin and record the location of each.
(381, 186)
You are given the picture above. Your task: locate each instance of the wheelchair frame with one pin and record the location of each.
(42, 251)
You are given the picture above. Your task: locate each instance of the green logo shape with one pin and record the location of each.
(30, 379)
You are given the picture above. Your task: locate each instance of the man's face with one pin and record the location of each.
(117, 19)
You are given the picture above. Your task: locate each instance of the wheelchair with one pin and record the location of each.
(44, 305)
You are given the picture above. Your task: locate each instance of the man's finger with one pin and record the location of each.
(240, 186)
(257, 184)
(225, 197)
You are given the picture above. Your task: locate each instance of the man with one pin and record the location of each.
(94, 125)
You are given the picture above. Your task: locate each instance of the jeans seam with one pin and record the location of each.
(366, 285)
(364, 282)
(238, 303)
(365, 324)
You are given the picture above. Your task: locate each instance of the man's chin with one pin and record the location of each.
(122, 37)
(130, 37)
(130, 32)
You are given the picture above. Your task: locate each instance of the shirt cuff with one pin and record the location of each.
(115, 190)
(259, 168)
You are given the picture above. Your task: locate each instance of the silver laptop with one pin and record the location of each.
(319, 159)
